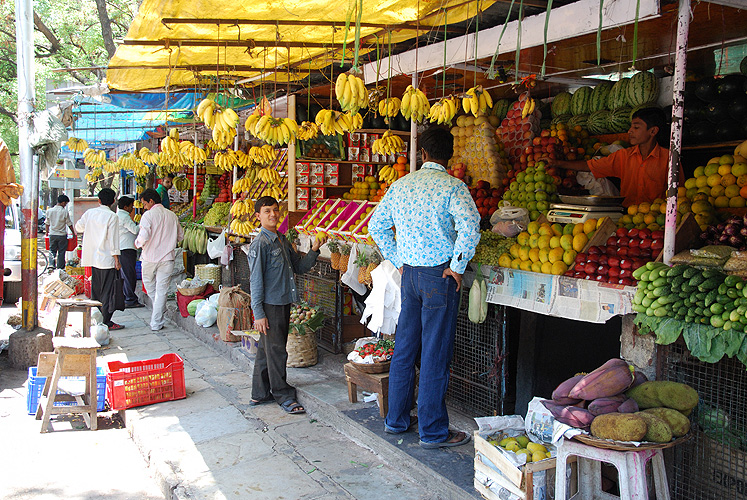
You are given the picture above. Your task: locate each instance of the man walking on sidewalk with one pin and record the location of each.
(159, 234)
(438, 229)
(101, 252)
(128, 254)
(272, 264)
(58, 220)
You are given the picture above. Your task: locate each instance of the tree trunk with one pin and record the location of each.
(106, 28)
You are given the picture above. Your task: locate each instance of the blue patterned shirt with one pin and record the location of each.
(435, 218)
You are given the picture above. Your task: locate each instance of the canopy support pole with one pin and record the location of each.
(291, 172)
(29, 175)
(675, 148)
(414, 133)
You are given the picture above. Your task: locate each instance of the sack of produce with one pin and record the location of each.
(234, 312)
(687, 257)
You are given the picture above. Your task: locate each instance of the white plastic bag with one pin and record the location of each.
(213, 299)
(96, 317)
(100, 333)
(216, 246)
(508, 220)
(207, 314)
(596, 187)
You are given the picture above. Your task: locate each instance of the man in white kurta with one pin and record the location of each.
(159, 234)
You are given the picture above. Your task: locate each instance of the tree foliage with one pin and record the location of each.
(67, 34)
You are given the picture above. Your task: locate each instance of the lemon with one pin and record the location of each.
(701, 181)
(535, 447)
(513, 446)
(538, 456)
(506, 441)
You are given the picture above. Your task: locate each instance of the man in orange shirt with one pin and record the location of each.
(641, 168)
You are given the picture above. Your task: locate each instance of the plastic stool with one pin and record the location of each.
(631, 468)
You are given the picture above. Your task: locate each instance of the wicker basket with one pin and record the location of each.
(373, 367)
(189, 292)
(302, 350)
(211, 274)
(608, 444)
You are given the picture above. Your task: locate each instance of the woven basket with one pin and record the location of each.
(302, 351)
(189, 292)
(608, 444)
(373, 367)
(211, 274)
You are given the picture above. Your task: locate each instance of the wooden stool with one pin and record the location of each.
(73, 305)
(374, 382)
(72, 357)
(631, 469)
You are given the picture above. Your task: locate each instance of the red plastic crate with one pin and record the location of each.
(80, 286)
(87, 287)
(141, 383)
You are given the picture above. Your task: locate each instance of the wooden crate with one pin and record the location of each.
(518, 480)
(606, 229)
(687, 235)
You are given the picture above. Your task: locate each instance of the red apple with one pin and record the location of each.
(603, 269)
(657, 235)
(590, 268)
(593, 258)
(627, 281)
(600, 277)
(580, 257)
(623, 252)
(603, 259)
(588, 277)
(613, 272)
(644, 233)
(633, 232)
(626, 263)
(626, 273)
(610, 251)
(611, 242)
(579, 267)
(637, 263)
(579, 275)
(646, 253)
(634, 252)
(634, 243)
(645, 243)
(594, 250)
(657, 244)
(621, 231)
(623, 241)
(613, 261)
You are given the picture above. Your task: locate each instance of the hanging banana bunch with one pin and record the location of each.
(388, 174)
(111, 167)
(388, 144)
(93, 158)
(351, 92)
(222, 122)
(333, 122)
(477, 101)
(269, 175)
(263, 155)
(528, 108)
(241, 207)
(307, 131)
(415, 104)
(244, 226)
(276, 131)
(443, 111)
(225, 160)
(194, 154)
(148, 156)
(130, 161)
(95, 174)
(245, 183)
(75, 144)
(242, 159)
(390, 107)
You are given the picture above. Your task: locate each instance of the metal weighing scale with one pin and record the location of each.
(575, 209)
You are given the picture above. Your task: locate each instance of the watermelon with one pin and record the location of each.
(581, 101)
(730, 87)
(561, 104)
(738, 108)
(501, 107)
(643, 88)
(728, 130)
(617, 97)
(600, 96)
(597, 122)
(192, 306)
(618, 121)
(578, 120)
(707, 89)
(717, 112)
(561, 119)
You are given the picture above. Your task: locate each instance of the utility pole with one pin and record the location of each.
(29, 176)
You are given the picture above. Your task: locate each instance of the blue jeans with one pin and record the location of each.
(425, 331)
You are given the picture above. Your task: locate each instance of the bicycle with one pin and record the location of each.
(44, 261)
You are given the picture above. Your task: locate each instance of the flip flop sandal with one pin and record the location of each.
(413, 424)
(257, 402)
(455, 438)
(115, 327)
(293, 408)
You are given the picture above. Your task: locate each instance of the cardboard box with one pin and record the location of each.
(358, 177)
(331, 179)
(302, 168)
(317, 193)
(302, 204)
(365, 154)
(353, 154)
(354, 139)
(302, 193)
(302, 179)
(317, 168)
(331, 168)
(316, 179)
(249, 340)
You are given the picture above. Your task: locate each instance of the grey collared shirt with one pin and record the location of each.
(272, 265)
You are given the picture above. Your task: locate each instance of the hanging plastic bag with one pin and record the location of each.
(100, 334)
(596, 187)
(216, 246)
(206, 315)
(508, 220)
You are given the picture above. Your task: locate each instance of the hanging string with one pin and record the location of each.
(544, 44)
(417, 39)
(358, 34)
(288, 78)
(443, 79)
(217, 64)
(599, 33)
(491, 71)
(378, 58)
(518, 43)
(635, 32)
(477, 33)
(308, 95)
(347, 30)
(389, 75)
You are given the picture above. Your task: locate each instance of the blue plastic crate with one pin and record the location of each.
(36, 385)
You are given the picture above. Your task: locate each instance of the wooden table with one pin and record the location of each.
(374, 382)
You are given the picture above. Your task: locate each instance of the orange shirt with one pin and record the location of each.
(641, 180)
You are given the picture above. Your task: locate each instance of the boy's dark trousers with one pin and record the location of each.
(128, 260)
(269, 378)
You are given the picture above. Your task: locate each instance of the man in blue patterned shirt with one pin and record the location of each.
(438, 229)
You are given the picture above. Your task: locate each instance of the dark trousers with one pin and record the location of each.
(127, 259)
(269, 378)
(58, 247)
(102, 285)
(425, 330)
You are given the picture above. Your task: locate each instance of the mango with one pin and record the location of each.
(535, 447)
(523, 441)
(676, 421)
(619, 427)
(658, 431)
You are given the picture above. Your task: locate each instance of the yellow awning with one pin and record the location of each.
(174, 42)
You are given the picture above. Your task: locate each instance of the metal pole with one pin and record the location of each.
(675, 148)
(414, 134)
(194, 183)
(291, 171)
(29, 176)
